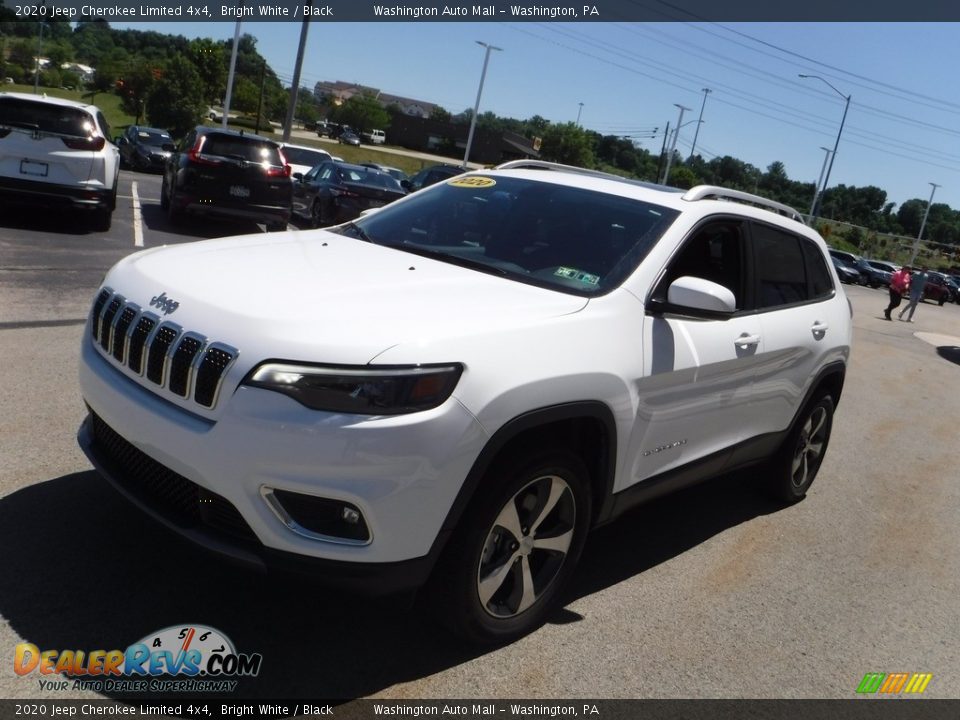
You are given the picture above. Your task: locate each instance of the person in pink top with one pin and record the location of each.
(899, 283)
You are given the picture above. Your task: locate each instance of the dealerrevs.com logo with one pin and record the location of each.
(894, 683)
(180, 658)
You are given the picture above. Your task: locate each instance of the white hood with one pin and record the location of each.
(324, 297)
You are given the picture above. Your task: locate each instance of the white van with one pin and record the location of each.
(377, 137)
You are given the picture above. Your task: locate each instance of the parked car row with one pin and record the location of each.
(853, 269)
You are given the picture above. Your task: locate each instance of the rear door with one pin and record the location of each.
(800, 314)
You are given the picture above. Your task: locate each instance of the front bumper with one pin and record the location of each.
(402, 472)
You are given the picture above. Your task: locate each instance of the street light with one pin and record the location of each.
(819, 200)
(706, 91)
(578, 113)
(673, 145)
(476, 106)
(916, 243)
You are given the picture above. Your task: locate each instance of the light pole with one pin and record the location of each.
(233, 68)
(673, 145)
(706, 91)
(476, 106)
(578, 113)
(823, 168)
(819, 200)
(36, 77)
(916, 243)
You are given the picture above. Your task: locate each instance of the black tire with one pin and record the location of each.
(942, 300)
(174, 214)
(101, 220)
(316, 214)
(795, 467)
(164, 200)
(515, 549)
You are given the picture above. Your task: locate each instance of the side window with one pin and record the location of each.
(821, 284)
(188, 142)
(781, 271)
(104, 125)
(714, 252)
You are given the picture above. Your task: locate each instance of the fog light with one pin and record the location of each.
(318, 518)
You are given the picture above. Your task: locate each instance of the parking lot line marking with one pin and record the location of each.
(137, 220)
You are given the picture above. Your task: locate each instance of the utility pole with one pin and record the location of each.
(916, 243)
(263, 72)
(706, 91)
(663, 150)
(673, 145)
(36, 77)
(578, 113)
(288, 124)
(816, 191)
(476, 106)
(233, 67)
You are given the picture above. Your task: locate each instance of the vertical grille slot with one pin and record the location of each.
(120, 332)
(210, 373)
(138, 339)
(181, 362)
(157, 354)
(97, 309)
(106, 321)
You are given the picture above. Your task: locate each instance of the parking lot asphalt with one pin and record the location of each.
(713, 592)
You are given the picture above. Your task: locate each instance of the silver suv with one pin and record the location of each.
(57, 153)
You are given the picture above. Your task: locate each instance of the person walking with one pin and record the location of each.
(899, 282)
(917, 282)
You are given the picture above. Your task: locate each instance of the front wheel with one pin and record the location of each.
(801, 455)
(515, 552)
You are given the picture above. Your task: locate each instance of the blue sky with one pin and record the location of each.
(901, 133)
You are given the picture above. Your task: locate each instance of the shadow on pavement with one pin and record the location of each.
(84, 569)
(949, 352)
(65, 221)
(155, 218)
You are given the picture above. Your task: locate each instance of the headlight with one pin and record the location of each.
(364, 390)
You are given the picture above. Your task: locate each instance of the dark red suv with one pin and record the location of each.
(227, 173)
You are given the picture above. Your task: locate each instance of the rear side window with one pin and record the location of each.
(821, 284)
(238, 148)
(299, 156)
(780, 268)
(46, 117)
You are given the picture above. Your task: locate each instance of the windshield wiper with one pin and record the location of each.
(356, 231)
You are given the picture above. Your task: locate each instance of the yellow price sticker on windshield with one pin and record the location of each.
(473, 181)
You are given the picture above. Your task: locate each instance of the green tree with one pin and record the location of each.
(439, 113)
(567, 143)
(176, 100)
(210, 60)
(364, 113)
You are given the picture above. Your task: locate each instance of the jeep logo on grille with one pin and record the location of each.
(162, 302)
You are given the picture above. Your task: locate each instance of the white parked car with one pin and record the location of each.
(303, 158)
(57, 153)
(454, 390)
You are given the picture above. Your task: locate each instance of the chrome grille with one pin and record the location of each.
(185, 363)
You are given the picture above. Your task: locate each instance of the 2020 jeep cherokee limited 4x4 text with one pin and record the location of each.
(455, 389)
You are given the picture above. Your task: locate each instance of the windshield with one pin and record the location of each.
(578, 241)
(154, 138)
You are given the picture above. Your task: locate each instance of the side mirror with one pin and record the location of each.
(699, 294)
(298, 177)
(117, 139)
(406, 185)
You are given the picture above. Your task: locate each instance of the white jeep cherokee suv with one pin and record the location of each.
(458, 387)
(58, 153)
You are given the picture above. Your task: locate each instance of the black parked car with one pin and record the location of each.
(228, 173)
(145, 148)
(335, 192)
(847, 273)
(431, 175)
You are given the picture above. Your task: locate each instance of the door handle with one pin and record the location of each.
(747, 340)
(819, 328)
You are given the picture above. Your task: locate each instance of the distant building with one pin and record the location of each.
(448, 138)
(339, 92)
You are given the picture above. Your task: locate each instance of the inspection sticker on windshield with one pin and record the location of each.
(579, 275)
(473, 181)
